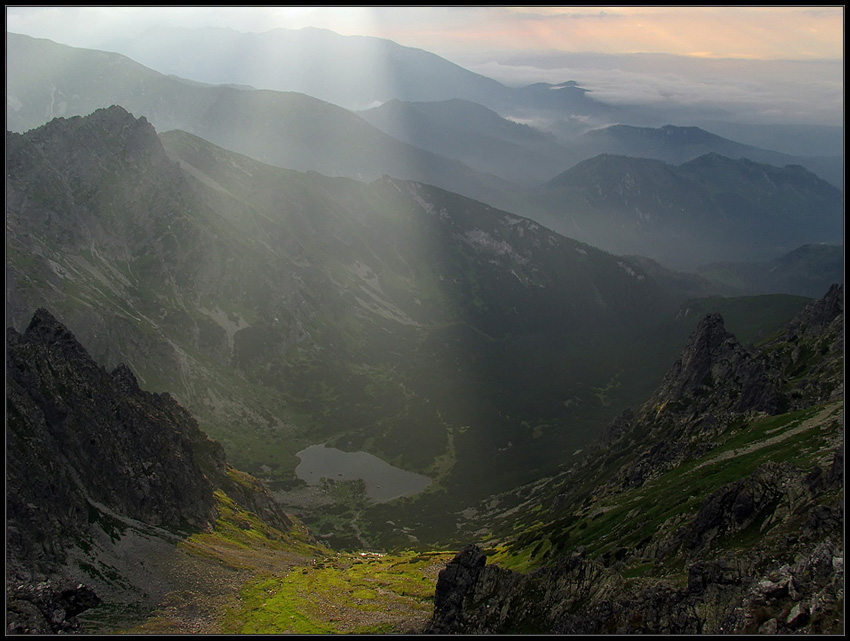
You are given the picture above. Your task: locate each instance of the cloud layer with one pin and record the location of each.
(761, 64)
(739, 32)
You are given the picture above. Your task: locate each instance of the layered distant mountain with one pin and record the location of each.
(487, 142)
(291, 130)
(285, 129)
(677, 145)
(709, 209)
(359, 72)
(457, 145)
(802, 271)
(355, 72)
(476, 136)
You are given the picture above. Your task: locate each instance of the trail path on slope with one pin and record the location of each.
(823, 417)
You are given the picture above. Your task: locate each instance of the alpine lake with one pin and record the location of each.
(384, 482)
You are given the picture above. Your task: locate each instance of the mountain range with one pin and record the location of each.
(116, 501)
(354, 72)
(362, 73)
(710, 207)
(222, 279)
(599, 348)
(466, 148)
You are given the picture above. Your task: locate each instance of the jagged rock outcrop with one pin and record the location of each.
(715, 370)
(79, 436)
(47, 607)
(811, 353)
(820, 316)
(772, 493)
(783, 574)
(476, 598)
(578, 595)
(455, 582)
(90, 455)
(718, 381)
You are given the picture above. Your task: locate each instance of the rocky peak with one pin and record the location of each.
(717, 381)
(46, 330)
(708, 345)
(93, 462)
(457, 580)
(715, 372)
(113, 135)
(103, 180)
(819, 314)
(81, 440)
(124, 378)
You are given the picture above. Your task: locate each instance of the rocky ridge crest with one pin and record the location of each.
(788, 579)
(92, 462)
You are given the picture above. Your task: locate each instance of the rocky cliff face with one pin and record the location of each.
(90, 437)
(717, 381)
(759, 551)
(89, 456)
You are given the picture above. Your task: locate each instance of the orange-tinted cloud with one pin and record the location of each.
(748, 32)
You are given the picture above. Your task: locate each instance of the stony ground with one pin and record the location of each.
(204, 588)
(332, 594)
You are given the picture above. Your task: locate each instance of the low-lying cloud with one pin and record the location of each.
(810, 92)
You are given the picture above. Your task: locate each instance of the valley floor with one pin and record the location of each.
(268, 591)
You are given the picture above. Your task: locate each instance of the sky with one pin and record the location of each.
(769, 33)
(784, 57)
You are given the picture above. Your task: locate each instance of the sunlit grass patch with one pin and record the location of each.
(239, 538)
(346, 593)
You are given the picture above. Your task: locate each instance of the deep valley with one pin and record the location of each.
(276, 365)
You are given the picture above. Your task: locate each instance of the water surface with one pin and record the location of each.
(384, 482)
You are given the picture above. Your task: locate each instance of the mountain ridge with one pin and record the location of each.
(290, 130)
(299, 132)
(102, 477)
(254, 293)
(695, 212)
(680, 144)
(212, 61)
(756, 547)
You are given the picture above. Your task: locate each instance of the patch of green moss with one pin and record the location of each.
(237, 530)
(344, 593)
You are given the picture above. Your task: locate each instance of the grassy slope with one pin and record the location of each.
(259, 580)
(628, 519)
(294, 586)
